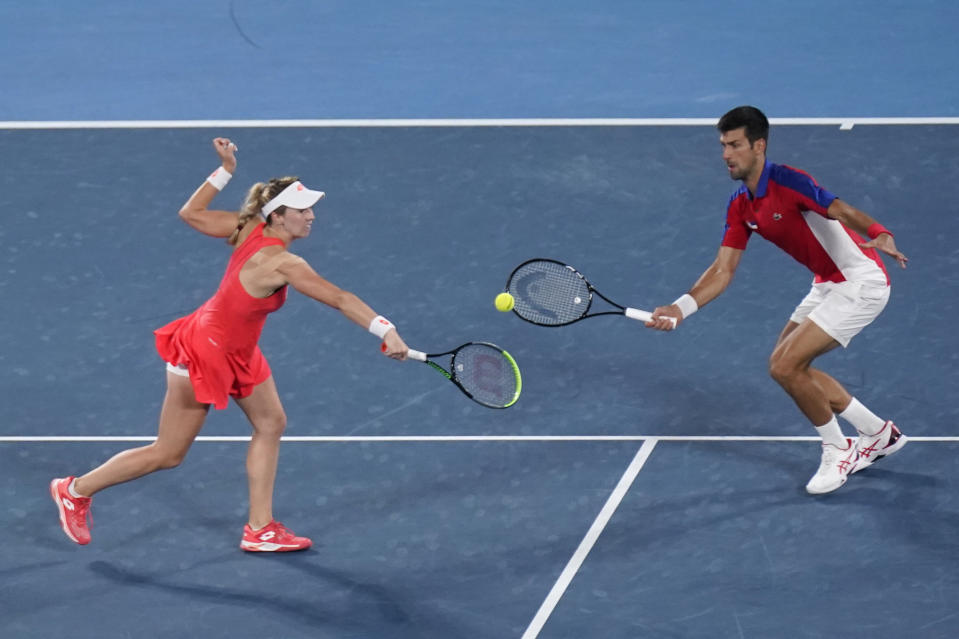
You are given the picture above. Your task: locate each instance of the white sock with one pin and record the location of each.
(832, 434)
(71, 488)
(73, 491)
(865, 421)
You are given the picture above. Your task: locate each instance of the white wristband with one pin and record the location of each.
(687, 305)
(219, 178)
(380, 326)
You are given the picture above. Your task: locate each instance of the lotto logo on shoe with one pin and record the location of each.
(267, 536)
(68, 504)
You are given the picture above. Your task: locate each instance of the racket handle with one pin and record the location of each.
(419, 356)
(644, 316)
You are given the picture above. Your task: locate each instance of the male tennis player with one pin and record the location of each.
(850, 289)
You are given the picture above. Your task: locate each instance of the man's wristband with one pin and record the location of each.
(876, 229)
(219, 178)
(687, 305)
(380, 326)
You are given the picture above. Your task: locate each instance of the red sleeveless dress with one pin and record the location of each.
(218, 341)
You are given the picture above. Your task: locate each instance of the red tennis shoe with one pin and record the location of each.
(274, 537)
(73, 511)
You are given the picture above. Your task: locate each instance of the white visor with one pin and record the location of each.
(295, 196)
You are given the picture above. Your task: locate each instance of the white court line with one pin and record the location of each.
(572, 567)
(844, 123)
(446, 438)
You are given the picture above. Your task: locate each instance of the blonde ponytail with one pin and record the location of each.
(256, 198)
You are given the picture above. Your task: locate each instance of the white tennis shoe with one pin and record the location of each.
(834, 468)
(872, 448)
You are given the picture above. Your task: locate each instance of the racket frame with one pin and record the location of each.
(632, 313)
(420, 356)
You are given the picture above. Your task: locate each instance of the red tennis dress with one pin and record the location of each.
(218, 341)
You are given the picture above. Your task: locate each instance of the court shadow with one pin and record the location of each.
(385, 602)
(307, 605)
(9, 575)
(876, 486)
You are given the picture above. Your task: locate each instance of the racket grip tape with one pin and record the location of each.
(411, 354)
(644, 316)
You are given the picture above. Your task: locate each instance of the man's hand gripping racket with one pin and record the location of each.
(550, 293)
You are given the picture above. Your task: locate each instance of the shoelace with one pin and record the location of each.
(829, 455)
(82, 512)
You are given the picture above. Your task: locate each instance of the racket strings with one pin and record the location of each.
(488, 374)
(549, 293)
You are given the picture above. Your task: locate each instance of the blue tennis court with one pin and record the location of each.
(645, 484)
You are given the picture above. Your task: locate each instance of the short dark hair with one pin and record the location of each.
(748, 117)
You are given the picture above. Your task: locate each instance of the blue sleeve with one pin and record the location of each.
(735, 233)
(816, 197)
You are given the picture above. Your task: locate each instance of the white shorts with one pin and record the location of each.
(842, 309)
(178, 369)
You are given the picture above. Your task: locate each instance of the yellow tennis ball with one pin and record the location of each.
(504, 302)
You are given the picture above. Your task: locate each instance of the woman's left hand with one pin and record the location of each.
(226, 149)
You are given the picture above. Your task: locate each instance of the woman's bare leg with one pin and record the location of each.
(180, 421)
(265, 412)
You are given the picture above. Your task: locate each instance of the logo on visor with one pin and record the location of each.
(299, 187)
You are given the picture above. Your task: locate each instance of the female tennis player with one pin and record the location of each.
(212, 354)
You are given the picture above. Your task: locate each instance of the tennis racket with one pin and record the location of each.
(484, 372)
(550, 293)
